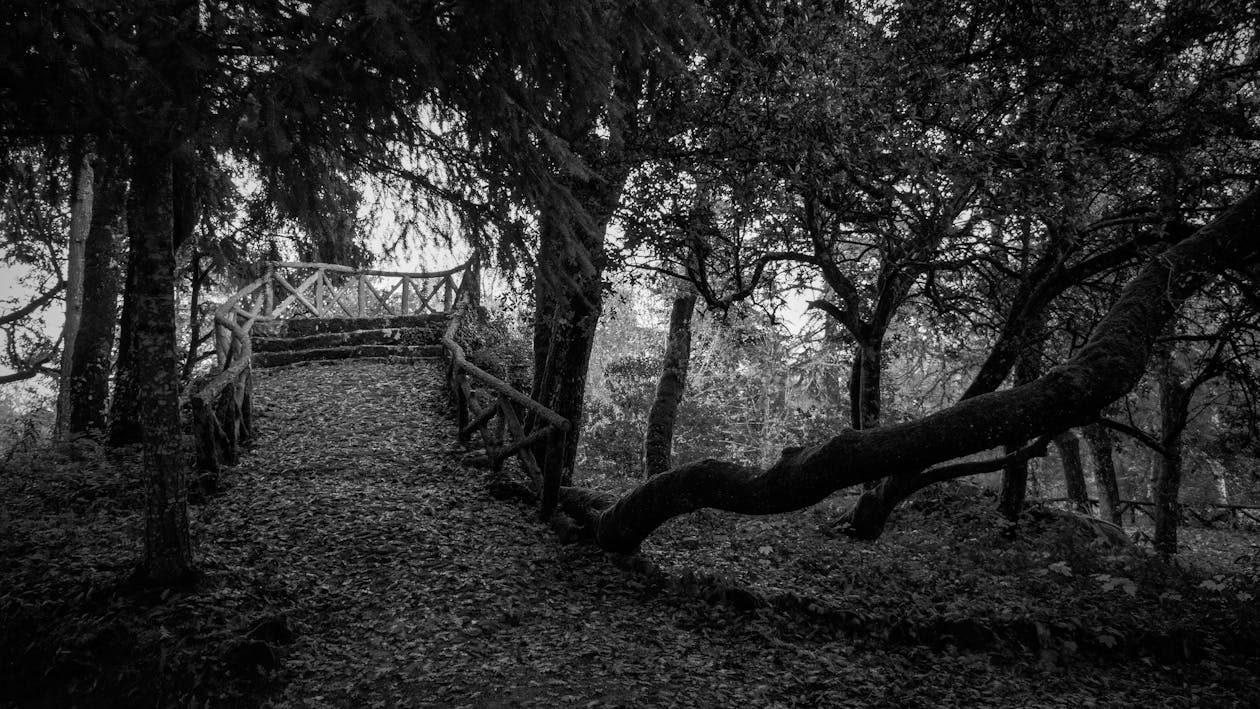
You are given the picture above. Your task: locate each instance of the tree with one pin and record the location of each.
(1111, 362)
(1101, 450)
(93, 347)
(1048, 91)
(80, 222)
(658, 441)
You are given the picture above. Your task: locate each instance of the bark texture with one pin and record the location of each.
(568, 293)
(1101, 449)
(1014, 488)
(1069, 395)
(168, 554)
(659, 439)
(124, 410)
(1069, 447)
(1174, 402)
(80, 224)
(94, 346)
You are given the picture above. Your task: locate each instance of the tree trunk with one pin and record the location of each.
(94, 346)
(1173, 405)
(124, 410)
(568, 301)
(80, 225)
(659, 438)
(168, 557)
(1073, 470)
(197, 276)
(1101, 448)
(1014, 489)
(1069, 395)
(864, 386)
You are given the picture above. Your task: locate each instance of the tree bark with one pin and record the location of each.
(197, 276)
(1174, 402)
(124, 410)
(1101, 448)
(568, 301)
(1069, 447)
(94, 346)
(1014, 490)
(168, 557)
(1069, 395)
(659, 438)
(865, 402)
(80, 225)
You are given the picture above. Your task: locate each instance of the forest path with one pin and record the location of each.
(408, 585)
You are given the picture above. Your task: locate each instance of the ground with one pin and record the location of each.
(351, 561)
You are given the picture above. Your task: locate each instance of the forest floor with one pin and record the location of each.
(352, 561)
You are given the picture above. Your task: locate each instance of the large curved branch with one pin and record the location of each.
(1109, 364)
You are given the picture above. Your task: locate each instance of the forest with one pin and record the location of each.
(871, 353)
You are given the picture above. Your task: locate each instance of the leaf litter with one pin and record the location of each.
(352, 561)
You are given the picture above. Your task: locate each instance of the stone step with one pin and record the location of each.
(430, 324)
(276, 359)
(351, 338)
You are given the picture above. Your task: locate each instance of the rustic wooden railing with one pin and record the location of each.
(1206, 515)
(222, 418)
(494, 410)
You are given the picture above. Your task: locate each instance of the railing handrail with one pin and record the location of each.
(500, 386)
(350, 270)
(547, 479)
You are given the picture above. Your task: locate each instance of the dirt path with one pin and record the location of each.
(407, 585)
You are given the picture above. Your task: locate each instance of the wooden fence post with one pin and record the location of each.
(269, 297)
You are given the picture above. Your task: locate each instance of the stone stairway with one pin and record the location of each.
(310, 339)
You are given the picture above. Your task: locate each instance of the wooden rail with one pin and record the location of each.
(222, 417)
(1208, 515)
(494, 411)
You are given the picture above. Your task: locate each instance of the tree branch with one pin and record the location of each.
(931, 476)
(44, 299)
(1133, 432)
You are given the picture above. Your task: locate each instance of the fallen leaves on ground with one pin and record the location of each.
(352, 562)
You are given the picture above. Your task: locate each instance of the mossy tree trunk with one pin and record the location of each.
(80, 224)
(168, 556)
(568, 293)
(94, 346)
(1174, 403)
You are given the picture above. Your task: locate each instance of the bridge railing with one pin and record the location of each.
(222, 417)
(495, 409)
